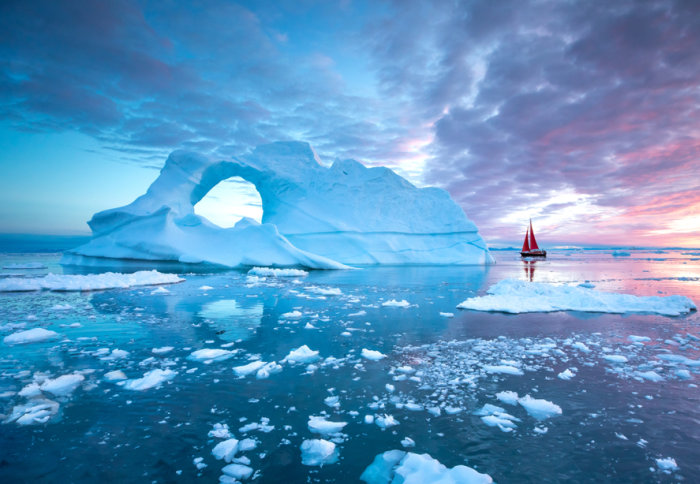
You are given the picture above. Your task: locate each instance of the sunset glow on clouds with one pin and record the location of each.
(584, 116)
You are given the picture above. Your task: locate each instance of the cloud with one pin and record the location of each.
(544, 98)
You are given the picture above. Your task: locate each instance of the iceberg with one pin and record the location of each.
(513, 296)
(314, 216)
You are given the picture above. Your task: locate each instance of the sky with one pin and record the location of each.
(582, 115)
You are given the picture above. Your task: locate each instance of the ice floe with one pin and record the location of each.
(372, 354)
(318, 452)
(393, 303)
(272, 272)
(539, 408)
(303, 354)
(209, 355)
(515, 296)
(89, 282)
(399, 466)
(63, 385)
(320, 425)
(35, 335)
(150, 379)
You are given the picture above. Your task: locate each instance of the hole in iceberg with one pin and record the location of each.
(229, 201)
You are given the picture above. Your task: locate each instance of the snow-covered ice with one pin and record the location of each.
(303, 354)
(539, 408)
(35, 335)
(398, 466)
(89, 282)
(62, 385)
(514, 296)
(372, 354)
(318, 452)
(211, 354)
(150, 379)
(320, 425)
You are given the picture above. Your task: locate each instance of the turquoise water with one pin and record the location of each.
(613, 424)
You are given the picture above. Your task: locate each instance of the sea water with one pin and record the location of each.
(427, 380)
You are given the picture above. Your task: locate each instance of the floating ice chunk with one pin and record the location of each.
(309, 326)
(667, 464)
(502, 421)
(63, 385)
(507, 369)
(398, 466)
(269, 369)
(90, 282)
(160, 290)
(581, 347)
(508, 397)
(369, 419)
(539, 408)
(303, 354)
(150, 379)
(35, 335)
(318, 452)
(198, 463)
(116, 354)
(205, 288)
(251, 367)
(61, 307)
(447, 315)
(30, 391)
(162, 350)
(393, 303)
(638, 339)
(357, 314)
(291, 315)
(567, 374)
(683, 374)
(385, 421)
(332, 401)
(324, 291)
(320, 425)
(116, 375)
(34, 412)
(208, 355)
(220, 431)
(515, 296)
(237, 471)
(650, 375)
(247, 444)
(263, 426)
(408, 442)
(225, 450)
(615, 358)
(271, 272)
(372, 354)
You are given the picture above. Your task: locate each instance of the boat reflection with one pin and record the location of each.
(529, 267)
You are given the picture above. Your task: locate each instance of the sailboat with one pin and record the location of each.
(530, 248)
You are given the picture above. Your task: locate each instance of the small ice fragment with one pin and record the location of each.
(369, 419)
(150, 379)
(35, 335)
(303, 354)
(247, 444)
(210, 354)
(63, 385)
(539, 408)
(385, 421)
(205, 288)
(506, 369)
(116, 375)
(406, 467)
(291, 315)
(581, 346)
(447, 315)
(566, 374)
(615, 358)
(372, 354)
(638, 339)
(332, 401)
(408, 442)
(225, 450)
(649, 375)
(269, 369)
(320, 425)
(162, 350)
(237, 471)
(34, 412)
(318, 452)
(251, 367)
(511, 398)
(393, 303)
(220, 431)
(272, 272)
(667, 464)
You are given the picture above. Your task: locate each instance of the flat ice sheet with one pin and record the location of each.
(513, 296)
(90, 282)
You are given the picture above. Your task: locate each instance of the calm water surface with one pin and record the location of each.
(614, 423)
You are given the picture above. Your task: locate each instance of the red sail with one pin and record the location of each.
(533, 242)
(526, 244)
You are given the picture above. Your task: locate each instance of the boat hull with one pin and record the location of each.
(534, 253)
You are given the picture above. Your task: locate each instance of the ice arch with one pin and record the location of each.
(229, 201)
(313, 216)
